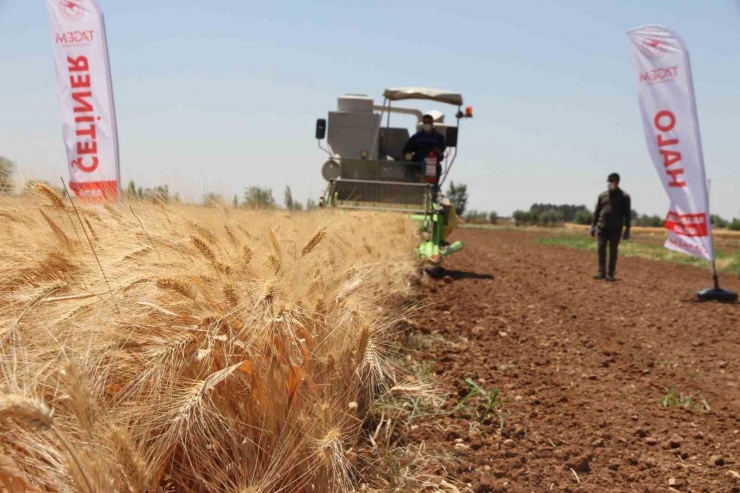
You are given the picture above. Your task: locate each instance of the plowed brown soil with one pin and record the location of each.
(583, 367)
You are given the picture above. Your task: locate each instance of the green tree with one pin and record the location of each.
(734, 225)
(584, 217)
(7, 186)
(259, 198)
(522, 218)
(288, 200)
(235, 202)
(311, 205)
(458, 195)
(650, 221)
(551, 217)
(297, 206)
(493, 217)
(567, 211)
(474, 216)
(718, 221)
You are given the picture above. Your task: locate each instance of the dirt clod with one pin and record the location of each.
(676, 483)
(485, 486)
(716, 460)
(581, 465)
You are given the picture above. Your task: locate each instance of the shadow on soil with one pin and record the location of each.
(458, 275)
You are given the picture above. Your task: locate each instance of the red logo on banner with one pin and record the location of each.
(694, 225)
(653, 48)
(96, 190)
(659, 75)
(71, 10)
(75, 37)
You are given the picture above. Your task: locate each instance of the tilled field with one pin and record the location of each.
(622, 387)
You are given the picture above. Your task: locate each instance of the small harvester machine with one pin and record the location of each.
(367, 168)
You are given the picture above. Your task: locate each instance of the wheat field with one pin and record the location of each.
(168, 348)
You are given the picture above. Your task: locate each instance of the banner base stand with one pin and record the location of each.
(717, 294)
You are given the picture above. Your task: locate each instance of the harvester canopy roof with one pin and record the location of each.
(440, 95)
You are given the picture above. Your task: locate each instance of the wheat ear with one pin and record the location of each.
(315, 240)
(51, 194)
(275, 244)
(35, 415)
(58, 233)
(31, 413)
(230, 234)
(129, 459)
(247, 255)
(363, 340)
(89, 226)
(79, 395)
(168, 283)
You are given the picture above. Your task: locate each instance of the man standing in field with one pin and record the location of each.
(612, 221)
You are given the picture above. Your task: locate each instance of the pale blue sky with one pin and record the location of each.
(224, 94)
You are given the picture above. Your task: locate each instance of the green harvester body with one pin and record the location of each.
(368, 168)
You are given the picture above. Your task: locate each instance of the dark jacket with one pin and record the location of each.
(613, 210)
(422, 143)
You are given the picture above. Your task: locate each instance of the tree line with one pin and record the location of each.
(262, 198)
(557, 214)
(551, 215)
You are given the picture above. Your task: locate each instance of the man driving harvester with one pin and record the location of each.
(425, 142)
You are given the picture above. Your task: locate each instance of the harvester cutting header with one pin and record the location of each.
(375, 166)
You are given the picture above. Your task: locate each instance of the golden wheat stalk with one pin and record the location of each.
(363, 340)
(11, 216)
(315, 240)
(203, 248)
(247, 255)
(58, 233)
(230, 293)
(52, 195)
(206, 251)
(138, 252)
(275, 263)
(269, 290)
(129, 459)
(178, 286)
(115, 213)
(231, 236)
(204, 233)
(275, 244)
(31, 413)
(80, 398)
(89, 226)
(35, 415)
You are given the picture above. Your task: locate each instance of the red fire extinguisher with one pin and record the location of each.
(430, 172)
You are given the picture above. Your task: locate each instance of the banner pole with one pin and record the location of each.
(113, 108)
(716, 294)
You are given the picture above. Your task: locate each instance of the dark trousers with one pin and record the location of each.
(610, 237)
